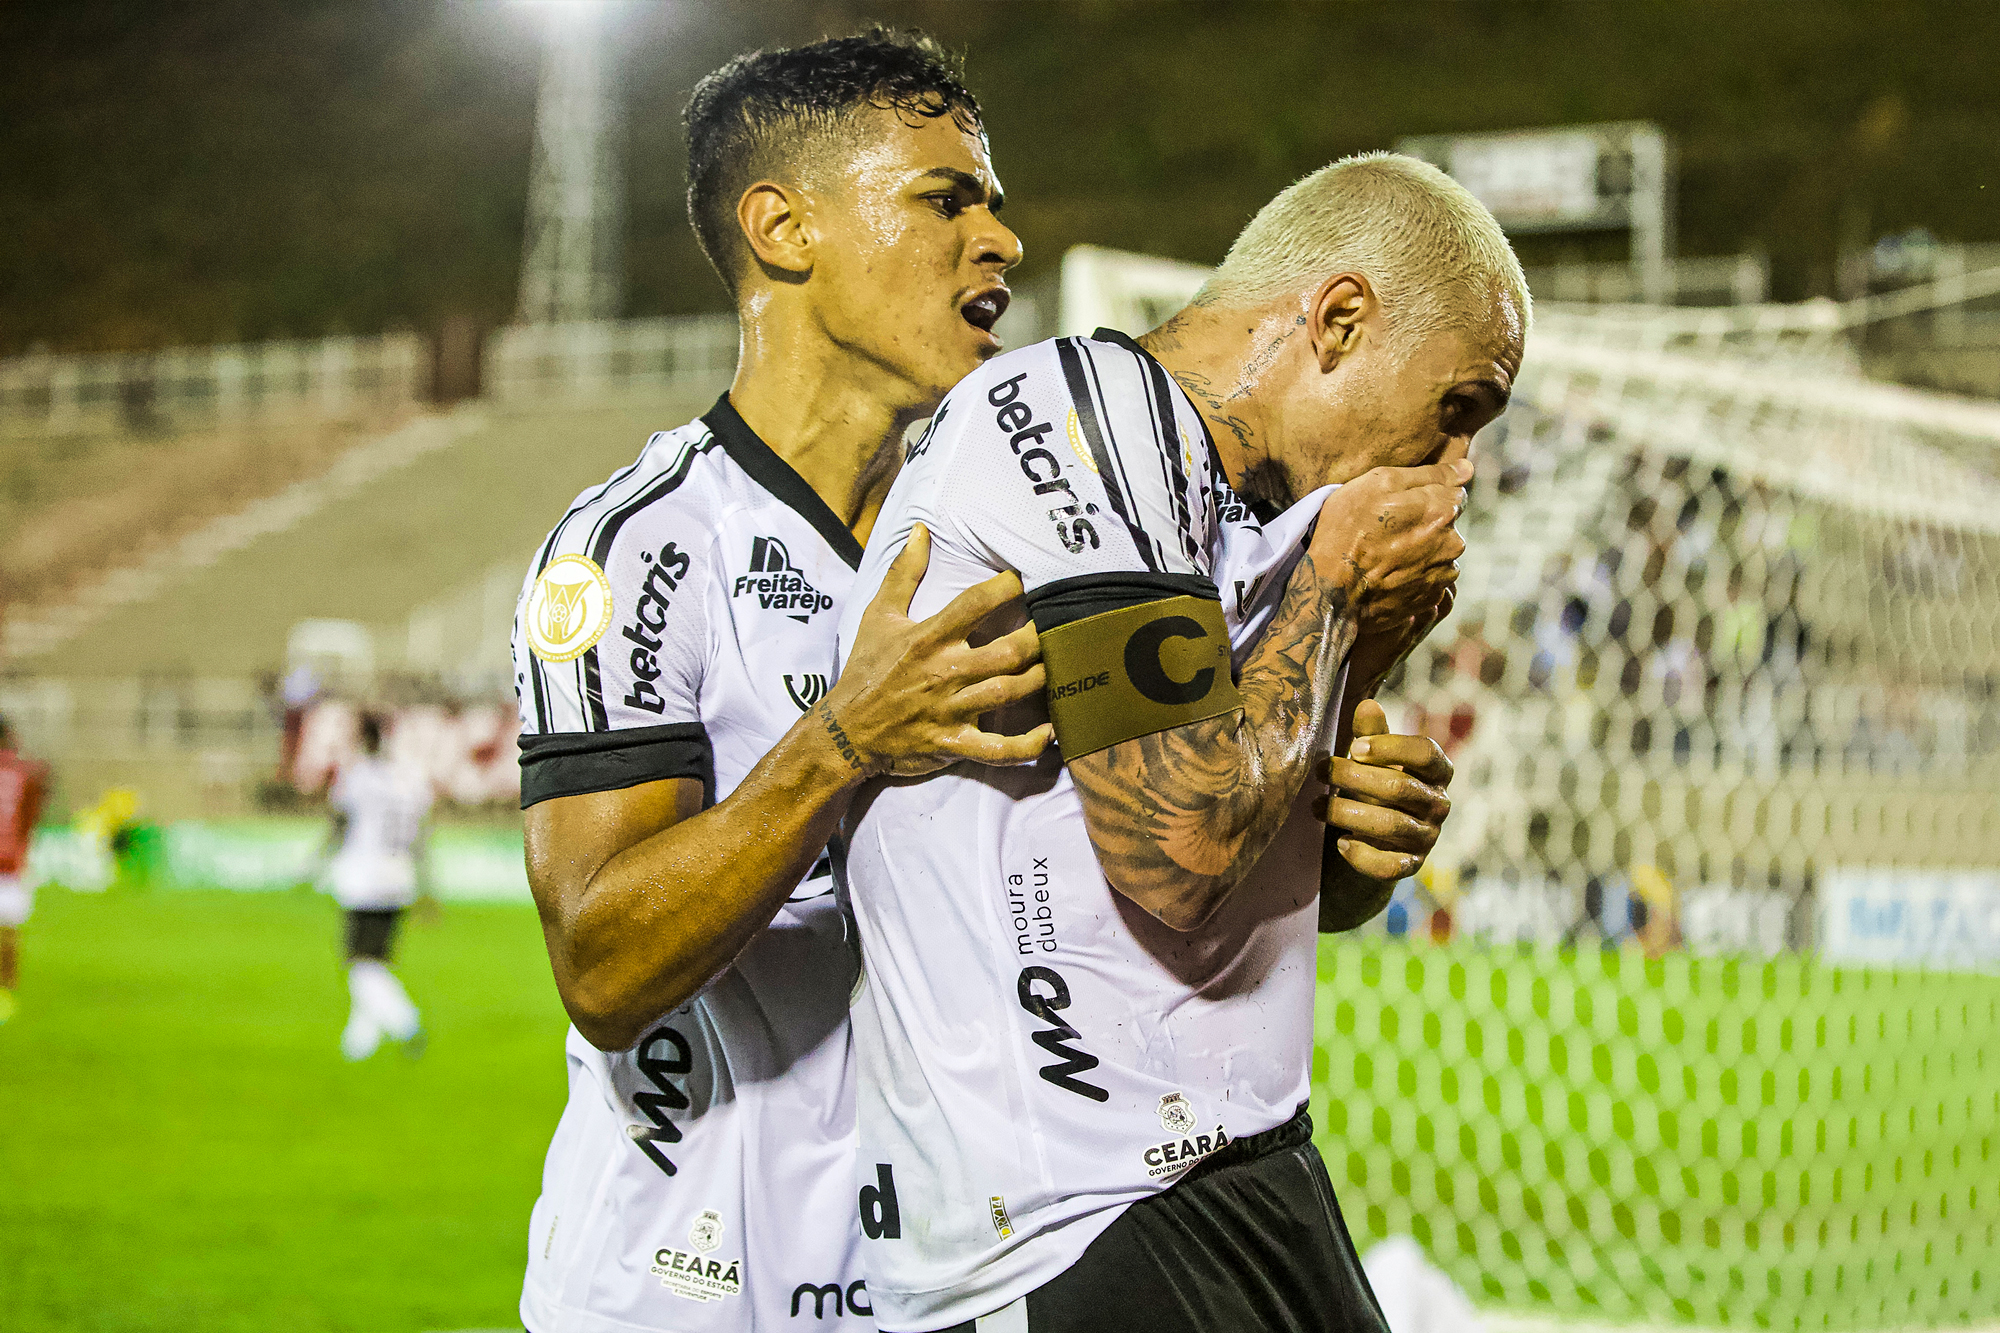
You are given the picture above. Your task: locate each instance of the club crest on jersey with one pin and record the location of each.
(1178, 1154)
(1176, 1116)
(778, 585)
(568, 610)
(811, 688)
(706, 1233)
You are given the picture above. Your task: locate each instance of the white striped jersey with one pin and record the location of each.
(1035, 1053)
(676, 624)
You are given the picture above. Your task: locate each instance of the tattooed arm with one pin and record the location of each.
(1181, 816)
(1178, 817)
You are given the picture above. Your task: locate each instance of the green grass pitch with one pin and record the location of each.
(1725, 1142)
(183, 1147)
(1728, 1143)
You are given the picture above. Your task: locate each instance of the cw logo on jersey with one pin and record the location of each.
(568, 610)
(778, 584)
(809, 691)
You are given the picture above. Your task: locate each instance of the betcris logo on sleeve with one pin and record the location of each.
(1027, 438)
(664, 573)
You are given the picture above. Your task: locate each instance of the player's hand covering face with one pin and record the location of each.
(1388, 798)
(1376, 397)
(900, 245)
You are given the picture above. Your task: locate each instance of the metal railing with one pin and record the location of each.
(144, 392)
(529, 362)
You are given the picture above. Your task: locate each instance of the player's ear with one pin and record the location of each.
(1344, 303)
(773, 219)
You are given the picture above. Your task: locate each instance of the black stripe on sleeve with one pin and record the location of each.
(1066, 600)
(1161, 394)
(534, 662)
(1093, 434)
(591, 681)
(577, 763)
(535, 669)
(1170, 449)
(1111, 423)
(541, 695)
(593, 690)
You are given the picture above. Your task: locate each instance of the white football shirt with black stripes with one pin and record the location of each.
(1036, 1053)
(676, 624)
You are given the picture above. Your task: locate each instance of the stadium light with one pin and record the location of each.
(572, 266)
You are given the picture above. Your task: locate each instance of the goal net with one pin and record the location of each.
(1694, 1016)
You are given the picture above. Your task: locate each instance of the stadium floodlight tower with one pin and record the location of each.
(571, 267)
(1609, 177)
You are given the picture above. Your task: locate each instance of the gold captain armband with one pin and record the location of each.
(1129, 673)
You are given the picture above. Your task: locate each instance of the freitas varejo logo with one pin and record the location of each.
(568, 610)
(778, 584)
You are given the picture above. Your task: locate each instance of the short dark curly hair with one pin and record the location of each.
(762, 113)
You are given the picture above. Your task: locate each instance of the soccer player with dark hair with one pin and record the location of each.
(689, 746)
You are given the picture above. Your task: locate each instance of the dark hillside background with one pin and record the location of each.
(208, 171)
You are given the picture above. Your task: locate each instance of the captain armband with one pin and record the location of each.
(1141, 669)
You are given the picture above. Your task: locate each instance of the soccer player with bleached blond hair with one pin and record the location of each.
(1085, 1028)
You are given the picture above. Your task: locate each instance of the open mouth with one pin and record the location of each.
(983, 311)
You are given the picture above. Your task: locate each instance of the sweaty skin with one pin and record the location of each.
(869, 293)
(1300, 393)
(1389, 802)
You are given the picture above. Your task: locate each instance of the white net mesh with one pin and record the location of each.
(1728, 617)
(1721, 681)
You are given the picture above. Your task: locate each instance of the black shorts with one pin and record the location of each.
(1251, 1239)
(371, 932)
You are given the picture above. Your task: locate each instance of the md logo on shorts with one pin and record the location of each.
(777, 584)
(851, 1299)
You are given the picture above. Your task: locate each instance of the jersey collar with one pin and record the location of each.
(777, 476)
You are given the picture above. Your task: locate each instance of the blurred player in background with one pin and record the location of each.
(377, 869)
(24, 785)
(1085, 1037)
(688, 746)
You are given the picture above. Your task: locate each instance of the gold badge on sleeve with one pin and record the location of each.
(568, 609)
(1135, 671)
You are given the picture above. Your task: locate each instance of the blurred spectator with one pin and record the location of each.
(466, 752)
(24, 784)
(300, 687)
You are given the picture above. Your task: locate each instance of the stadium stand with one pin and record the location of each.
(154, 669)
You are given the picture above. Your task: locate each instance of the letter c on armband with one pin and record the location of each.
(1138, 670)
(1142, 661)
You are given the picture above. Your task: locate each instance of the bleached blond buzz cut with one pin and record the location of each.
(1432, 251)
